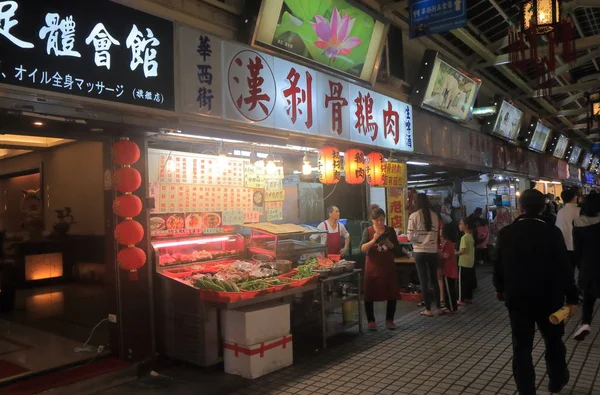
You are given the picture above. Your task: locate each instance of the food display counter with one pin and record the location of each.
(287, 241)
(197, 276)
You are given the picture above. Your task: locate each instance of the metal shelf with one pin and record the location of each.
(335, 302)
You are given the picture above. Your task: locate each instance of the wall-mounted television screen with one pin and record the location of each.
(575, 154)
(508, 122)
(444, 89)
(587, 160)
(561, 147)
(594, 165)
(339, 35)
(540, 138)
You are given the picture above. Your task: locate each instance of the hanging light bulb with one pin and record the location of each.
(306, 166)
(271, 167)
(222, 158)
(170, 165)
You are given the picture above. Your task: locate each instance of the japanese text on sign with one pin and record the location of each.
(73, 52)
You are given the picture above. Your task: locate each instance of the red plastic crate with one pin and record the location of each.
(408, 297)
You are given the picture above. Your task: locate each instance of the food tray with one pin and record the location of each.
(299, 283)
(408, 297)
(177, 273)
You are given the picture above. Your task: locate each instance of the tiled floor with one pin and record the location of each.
(49, 323)
(465, 354)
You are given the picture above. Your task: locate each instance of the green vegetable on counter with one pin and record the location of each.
(214, 284)
(304, 271)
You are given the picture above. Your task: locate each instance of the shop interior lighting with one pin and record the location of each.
(419, 175)
(38, 123)
(270, 165)
(417, 163)
(306, 166)
(193, 242)
(421, 181)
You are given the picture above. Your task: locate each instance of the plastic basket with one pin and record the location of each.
(408, 297)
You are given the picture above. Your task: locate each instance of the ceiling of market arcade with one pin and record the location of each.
(481, 48)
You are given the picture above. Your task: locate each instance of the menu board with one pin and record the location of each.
(201, 194)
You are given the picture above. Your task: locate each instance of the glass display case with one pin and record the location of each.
(183, 251)
(285, 242)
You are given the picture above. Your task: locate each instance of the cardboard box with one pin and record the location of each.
(252, 325)
(258, 359)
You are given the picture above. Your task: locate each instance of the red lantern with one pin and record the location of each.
(330, 165)
(127, 206)
(131, 259)
(354, 166)
(125, 152)
(127, 179)
(375, 168)
(129, 232)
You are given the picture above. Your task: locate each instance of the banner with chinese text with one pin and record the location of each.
(270, 92)
(98, 50)
(395, 175)
(395, 209)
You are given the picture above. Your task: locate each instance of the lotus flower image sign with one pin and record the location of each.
(333, 33)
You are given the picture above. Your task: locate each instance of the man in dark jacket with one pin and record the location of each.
(533, 276)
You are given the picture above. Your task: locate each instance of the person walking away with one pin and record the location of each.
(380, 244)
(423, 233)
(532, 275)
(483, 238)
(336, 233)
(564, 222)
(449, 268)
(466, 262)
(586, 235)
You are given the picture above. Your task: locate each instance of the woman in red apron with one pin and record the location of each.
(336, 232)
(380, 244)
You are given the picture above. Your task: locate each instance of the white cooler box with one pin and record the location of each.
(252, 325)
(258, 359)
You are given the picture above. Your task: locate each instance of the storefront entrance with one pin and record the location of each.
(53, 298)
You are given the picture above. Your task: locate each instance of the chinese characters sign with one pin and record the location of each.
(395, 175)
(99, 50)
(395, 208)
(436, 16)
(260, 89)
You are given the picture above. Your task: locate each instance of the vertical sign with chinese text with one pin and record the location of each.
(98, 50)
(395, 175)
(396, 209)
(200, 55)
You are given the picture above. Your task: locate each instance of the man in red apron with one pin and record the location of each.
(335, 233)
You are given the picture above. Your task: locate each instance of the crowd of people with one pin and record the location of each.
(535, 261)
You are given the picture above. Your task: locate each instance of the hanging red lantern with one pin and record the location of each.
(375, 168)
(129, 232)
(127, 179)
(330, 165)
(354, 166)
(131, 259)
(125, 152)
(127, 206)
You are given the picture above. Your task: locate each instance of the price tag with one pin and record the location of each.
(233, 217)
(251, 217)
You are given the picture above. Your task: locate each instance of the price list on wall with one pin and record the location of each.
(240, 192)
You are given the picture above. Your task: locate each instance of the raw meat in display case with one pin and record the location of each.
(187, 250)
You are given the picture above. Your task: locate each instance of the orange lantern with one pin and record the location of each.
(129, 232)
(127, 206)
(354, 166)
(127, 179)
(131, 259)
(125, 152)
(330, 165)
(375, 168)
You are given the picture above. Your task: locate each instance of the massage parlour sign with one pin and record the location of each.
(98, 49)
(235, 82)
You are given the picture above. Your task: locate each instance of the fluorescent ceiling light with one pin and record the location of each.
(417, 163)
(31, 141)
(441, 172)
(422, 181)
(419, 175)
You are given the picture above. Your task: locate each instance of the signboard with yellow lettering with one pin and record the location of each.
(395, 209)
(395, 175)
